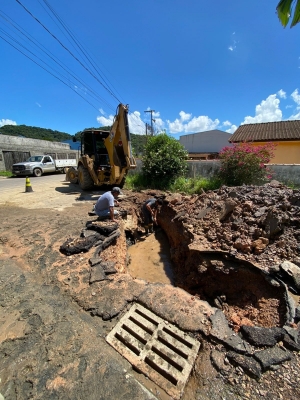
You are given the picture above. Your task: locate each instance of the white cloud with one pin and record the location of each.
(103, 121)
(232, 129)
(234, 42)
(281, 93)
(226, 123)
(196, 124)
(102, 111)
(296, 97)
(267, 111)
(137, 126)
(184, 116)
(295, 116)
(159, 124)
(134, 119)
(7, 122)
(176, 126)
(38, 104)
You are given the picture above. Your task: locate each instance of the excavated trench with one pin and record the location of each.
(246, 294)
(150, 259)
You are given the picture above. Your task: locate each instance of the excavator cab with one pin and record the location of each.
(106, 156)
(92, 145)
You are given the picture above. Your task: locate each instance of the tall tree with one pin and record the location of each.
(287, 9)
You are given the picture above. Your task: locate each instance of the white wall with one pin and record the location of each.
(205, 142)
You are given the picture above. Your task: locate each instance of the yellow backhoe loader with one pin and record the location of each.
(106, 156)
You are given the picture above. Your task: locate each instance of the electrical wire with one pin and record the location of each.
(49, 72)
(50, 55)
(76, 58)
(77, 43)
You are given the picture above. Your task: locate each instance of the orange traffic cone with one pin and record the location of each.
(28, 187)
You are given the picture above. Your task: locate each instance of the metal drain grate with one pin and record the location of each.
(155, 347)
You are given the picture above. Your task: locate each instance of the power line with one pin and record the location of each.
(48, 54)
(77, 43)
(48, 72)
(105, 87)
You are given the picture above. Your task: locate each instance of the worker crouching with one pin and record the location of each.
(149, 211)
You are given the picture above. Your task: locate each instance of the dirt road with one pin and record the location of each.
(49, 191)
(53, 321)
(50, 348)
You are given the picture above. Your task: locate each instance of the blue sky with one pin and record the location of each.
(200, 65)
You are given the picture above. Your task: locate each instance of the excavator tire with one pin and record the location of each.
(85, 180)
(72, 175)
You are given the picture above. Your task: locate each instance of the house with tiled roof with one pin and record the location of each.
(285, 134)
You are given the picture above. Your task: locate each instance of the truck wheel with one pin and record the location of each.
(85, 180)
(72, 175)
(37, 172)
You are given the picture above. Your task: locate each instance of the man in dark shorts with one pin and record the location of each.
(149, 211)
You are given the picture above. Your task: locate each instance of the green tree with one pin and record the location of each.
(287, 9)
(164, 160)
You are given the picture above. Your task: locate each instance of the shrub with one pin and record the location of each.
(164, 160)
(244, 163)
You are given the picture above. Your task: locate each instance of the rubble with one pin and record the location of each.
(255, 223)
(234, 251)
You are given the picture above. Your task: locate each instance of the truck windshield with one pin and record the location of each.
(35, 159)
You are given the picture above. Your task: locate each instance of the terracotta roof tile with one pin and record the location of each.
(268, 131)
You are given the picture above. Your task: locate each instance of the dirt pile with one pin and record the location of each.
(80, 297)
(260, 224)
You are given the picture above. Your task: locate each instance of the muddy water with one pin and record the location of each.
(151, 260)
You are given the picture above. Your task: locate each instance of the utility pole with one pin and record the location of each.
(151, 112)
(146, 132)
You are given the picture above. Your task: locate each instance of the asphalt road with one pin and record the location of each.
(18, 182)
(48, 191)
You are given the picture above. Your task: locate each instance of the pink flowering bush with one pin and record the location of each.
(244, 163)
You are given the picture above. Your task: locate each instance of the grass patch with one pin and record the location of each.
(195, 185)
(292, 185)
(6, 173)
(181, 184)
(136, 182)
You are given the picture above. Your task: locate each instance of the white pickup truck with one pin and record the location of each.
(39, 165)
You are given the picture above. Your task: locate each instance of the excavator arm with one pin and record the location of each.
(106, 157)
(118, 145)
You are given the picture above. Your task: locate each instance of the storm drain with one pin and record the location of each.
(156, 348)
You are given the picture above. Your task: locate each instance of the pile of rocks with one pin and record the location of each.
(260, 224)
(99, 234)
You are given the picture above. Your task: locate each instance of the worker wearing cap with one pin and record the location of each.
(105, 205)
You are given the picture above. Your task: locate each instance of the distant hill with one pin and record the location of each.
(34, 133)
(137, 141)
